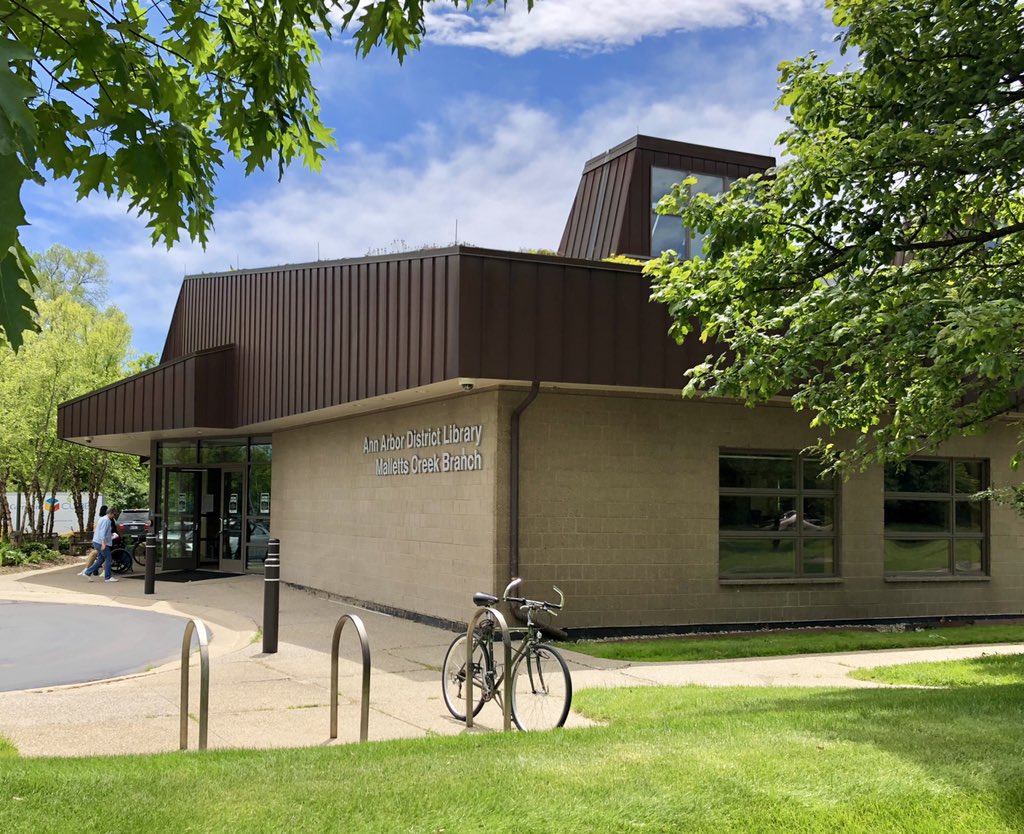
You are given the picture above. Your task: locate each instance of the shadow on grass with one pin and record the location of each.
(969, 738)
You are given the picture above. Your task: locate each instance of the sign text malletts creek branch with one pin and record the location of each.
(414, 450)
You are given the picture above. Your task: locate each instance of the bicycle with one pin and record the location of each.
(541, 685)
(137, 548)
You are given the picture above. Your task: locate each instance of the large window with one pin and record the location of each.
(932, 527)
(777, 517)
(667, 231)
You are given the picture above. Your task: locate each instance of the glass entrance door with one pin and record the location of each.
(182, 490)
(232, 497)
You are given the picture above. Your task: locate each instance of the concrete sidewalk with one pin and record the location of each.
(282, 700)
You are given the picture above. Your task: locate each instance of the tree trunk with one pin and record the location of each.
(5, 510)
(23, 511)
(51, 516)
(37, 497)
(99, 471)
(28, 512)
(76, 499)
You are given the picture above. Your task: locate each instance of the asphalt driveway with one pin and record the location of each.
(49, 644)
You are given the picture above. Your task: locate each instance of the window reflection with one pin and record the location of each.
(667, 231)
(776, 516)
(931, 525)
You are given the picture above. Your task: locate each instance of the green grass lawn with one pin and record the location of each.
(989, 670)
(810, 641)
(667, 760)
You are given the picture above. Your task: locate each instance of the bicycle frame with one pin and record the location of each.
(473, 675)
(533, 637)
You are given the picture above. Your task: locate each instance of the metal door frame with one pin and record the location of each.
(233, 565)
(182, 563)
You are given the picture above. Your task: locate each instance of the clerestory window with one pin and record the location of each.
(667, 231)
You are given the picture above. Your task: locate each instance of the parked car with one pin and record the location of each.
(135, 523)
(180, 531)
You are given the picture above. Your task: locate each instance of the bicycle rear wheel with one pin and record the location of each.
(453, 677)
(139, 553)
(541, 689)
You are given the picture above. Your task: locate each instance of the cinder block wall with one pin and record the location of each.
(619, 498)
(416, 542)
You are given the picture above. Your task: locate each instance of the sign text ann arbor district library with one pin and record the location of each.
(414, 447)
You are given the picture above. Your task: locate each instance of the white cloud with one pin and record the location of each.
(509, 182)
(574, 25)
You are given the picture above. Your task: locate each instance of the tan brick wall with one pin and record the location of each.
(620, 509)
(420, 543)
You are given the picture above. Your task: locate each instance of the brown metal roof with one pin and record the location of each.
(251, 348)
(254, 346)
(611, 213)
(190, 392)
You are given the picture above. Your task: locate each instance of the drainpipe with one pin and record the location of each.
(513, 510)
(513, 492)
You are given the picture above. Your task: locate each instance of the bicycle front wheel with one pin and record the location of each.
(453, 677)
(541, 689)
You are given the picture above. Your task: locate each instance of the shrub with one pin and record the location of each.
(30, 553)
(11, 556)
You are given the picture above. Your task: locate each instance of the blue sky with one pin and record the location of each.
(488, 126)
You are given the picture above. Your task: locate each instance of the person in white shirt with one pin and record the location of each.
(102, 541)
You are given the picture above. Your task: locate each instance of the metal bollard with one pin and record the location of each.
(271, 595)
(150, 580)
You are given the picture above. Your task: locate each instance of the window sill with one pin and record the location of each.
(908, 578)
(788, 580)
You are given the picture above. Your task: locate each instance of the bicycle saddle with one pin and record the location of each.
(481, 599)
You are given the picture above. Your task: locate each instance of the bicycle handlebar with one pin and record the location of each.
(533, 603)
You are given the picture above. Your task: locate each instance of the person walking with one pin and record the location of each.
(103, 540)
(96, 554)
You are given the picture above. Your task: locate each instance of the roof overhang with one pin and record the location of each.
(175, 399)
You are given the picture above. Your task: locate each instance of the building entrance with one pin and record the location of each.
(203, 509)
(213, 514)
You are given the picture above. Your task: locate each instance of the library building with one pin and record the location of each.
(419, 426)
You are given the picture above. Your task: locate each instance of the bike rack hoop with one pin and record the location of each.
(364, 647)
(197, 627)
(506, 706)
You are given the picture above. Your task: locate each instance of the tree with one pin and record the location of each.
(877, 276)
(78, 347)
(143, 101)
(61, 271)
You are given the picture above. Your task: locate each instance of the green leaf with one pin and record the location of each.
(17, 124)
(12, 214)
(16, 305)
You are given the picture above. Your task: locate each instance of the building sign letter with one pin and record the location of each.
(414, 450)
